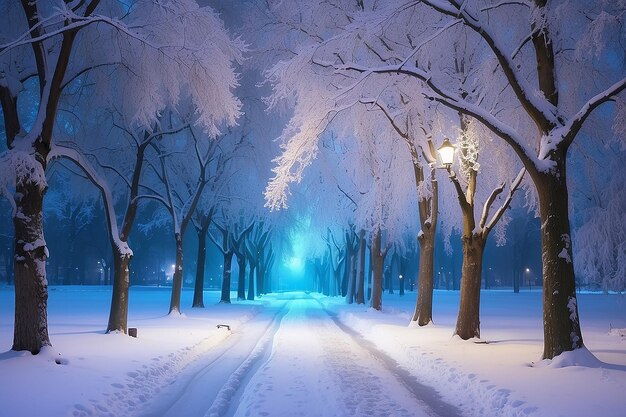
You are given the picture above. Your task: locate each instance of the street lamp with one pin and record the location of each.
(446, 152)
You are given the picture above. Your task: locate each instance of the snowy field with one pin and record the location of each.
(294, 354)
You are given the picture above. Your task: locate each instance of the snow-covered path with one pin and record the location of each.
(210, 383)
(294, 359)
(315, 367)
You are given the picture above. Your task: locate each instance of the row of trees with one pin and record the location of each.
(151, 118)
(499, 76)
(116, 94)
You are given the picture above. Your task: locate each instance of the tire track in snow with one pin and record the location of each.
(227, 397)
(203, 387)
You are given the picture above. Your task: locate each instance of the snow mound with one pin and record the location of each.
(578, 357)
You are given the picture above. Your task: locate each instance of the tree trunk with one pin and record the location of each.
(351, 288)
(11, 265)
(360, 285)
(424, 306)
(251, 281)
(31, 285)
(468, 320)
(118, 316)
(241, 282)
(177, 281)
(228, 263)
(198, 290)
(560, 309)
(387, 279)
(378, 260)
(259, 279)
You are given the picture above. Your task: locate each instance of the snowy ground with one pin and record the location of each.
(294, 354)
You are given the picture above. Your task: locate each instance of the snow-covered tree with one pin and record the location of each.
(136, 47)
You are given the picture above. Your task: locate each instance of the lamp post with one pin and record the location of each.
(446, 152)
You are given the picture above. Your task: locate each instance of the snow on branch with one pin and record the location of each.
(498, 214)
(77, 23)
(506, 3)
(573, 125)
(540, 110)
(455, 102)
(79, 159)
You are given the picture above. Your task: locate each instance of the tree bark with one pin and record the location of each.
(228, 262)
(251, 280)
(424, 307)
(31, 286)
(177, 281)
(360, 285)
(198, 290)
(378, 261)
(259, 279)
(468, 320)
(118, 315)
(560, 308)
(241, 282)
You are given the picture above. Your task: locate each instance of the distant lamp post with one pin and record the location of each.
(446, 152)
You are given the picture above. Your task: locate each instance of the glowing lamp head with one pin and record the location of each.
(446, 152)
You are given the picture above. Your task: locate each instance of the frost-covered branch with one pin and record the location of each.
(78, 158)
(455, 102)
(574, 124)
(540, 110)
(506, 3)
(75, 23)
(498, 214)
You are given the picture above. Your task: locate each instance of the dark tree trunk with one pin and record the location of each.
(378, 261)
(228, 262)
(345, 276)
(118, 315)
(560, 309)
(11, 265)
(198, 290)
(351, 289)
(424, 306)
(177, 281)
(251, 281)
(468, 320)
(259, 279)
(241, 282)
(360, 285)
(31, 287)
(387, 279)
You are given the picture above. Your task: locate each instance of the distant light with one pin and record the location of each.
(173, 266)
(527, 269)
(401, 276)
(294, 263)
